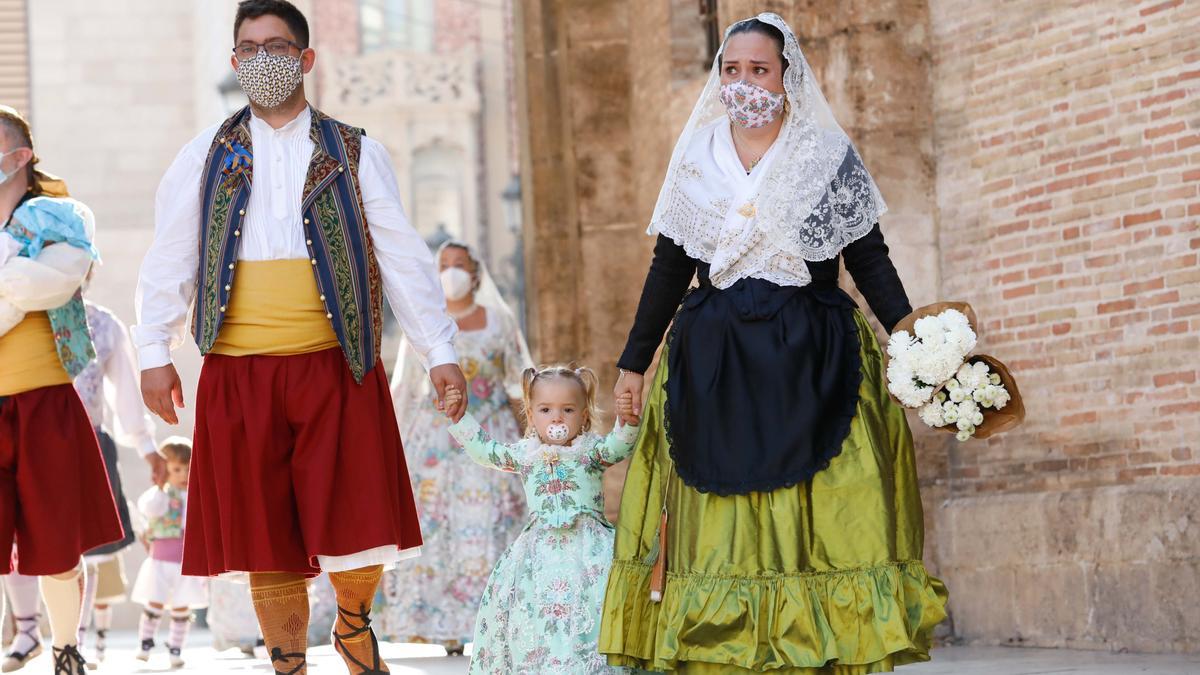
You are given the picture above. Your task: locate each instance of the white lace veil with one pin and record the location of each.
(809, 198)
(410, 384)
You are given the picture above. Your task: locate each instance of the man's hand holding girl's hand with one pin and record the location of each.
(451, 402)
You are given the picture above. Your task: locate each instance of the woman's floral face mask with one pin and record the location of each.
(749, 105)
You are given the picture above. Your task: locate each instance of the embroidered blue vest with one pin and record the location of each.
(335, 229)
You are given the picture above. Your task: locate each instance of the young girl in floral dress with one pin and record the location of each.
(469, 515)
(541, 609)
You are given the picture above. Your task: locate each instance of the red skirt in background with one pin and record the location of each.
(55, 501)
(293, 459)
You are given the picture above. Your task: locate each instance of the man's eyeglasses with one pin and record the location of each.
(244, 51)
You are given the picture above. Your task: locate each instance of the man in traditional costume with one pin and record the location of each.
(284, 227)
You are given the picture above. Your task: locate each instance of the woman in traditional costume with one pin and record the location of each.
(774, 480)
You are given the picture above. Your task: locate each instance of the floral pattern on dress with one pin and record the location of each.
(541, 610)
(468, 514)
(170, 524)
(90, 382)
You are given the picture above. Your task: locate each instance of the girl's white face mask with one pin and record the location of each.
(456, 283)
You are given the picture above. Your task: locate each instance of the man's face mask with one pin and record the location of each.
(269, 80)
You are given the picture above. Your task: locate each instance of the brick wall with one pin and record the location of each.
(1068, 145)
(1067, 138)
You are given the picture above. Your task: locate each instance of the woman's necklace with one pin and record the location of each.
(754, 162)
(462, 313)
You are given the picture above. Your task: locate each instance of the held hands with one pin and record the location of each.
(625, 406)
(450, 384)
(628, 397)
(451, 400)
(158, 469)
(162, 392)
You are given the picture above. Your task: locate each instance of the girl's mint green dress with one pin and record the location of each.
(540, 612)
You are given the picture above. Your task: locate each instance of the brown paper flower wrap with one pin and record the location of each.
(994, 421)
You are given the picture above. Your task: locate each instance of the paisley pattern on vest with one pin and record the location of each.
(335, 228)
(72, 338)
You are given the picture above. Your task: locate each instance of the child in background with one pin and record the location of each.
(160, 582)
(540, 612)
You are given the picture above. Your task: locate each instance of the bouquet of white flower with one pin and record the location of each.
(921, 361)
(929, 369)
(963, 400)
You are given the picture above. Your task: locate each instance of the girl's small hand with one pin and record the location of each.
(451, 400)
(629, 385)
(625, 406)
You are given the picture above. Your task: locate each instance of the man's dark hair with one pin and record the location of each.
(252, 9)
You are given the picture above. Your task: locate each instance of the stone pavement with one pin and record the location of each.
(428, 660)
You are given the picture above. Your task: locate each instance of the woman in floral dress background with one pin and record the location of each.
(469, 514)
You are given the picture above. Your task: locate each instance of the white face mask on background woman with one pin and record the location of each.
(5, 175)
(456, 283)
(269, 80)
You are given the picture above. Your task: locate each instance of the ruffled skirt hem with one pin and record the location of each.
(842, 622)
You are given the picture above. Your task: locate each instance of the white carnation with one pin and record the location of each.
(929, 328)
(952, 318)
(931, 368)
(1001, 398)
(967, 409)
(965, 424)
(963, 435)
(900, 343)
(902, 385)
(931, 414)
(961, 338)
(964, 374)
(950, 413)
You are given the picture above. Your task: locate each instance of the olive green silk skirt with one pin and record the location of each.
(822, 577)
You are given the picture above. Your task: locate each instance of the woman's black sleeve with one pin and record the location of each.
(671, 272)
(875, 276)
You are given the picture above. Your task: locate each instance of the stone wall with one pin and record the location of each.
(1040, 162)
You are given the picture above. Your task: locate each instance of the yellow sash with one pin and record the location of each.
(274, 309)
(28, 359)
